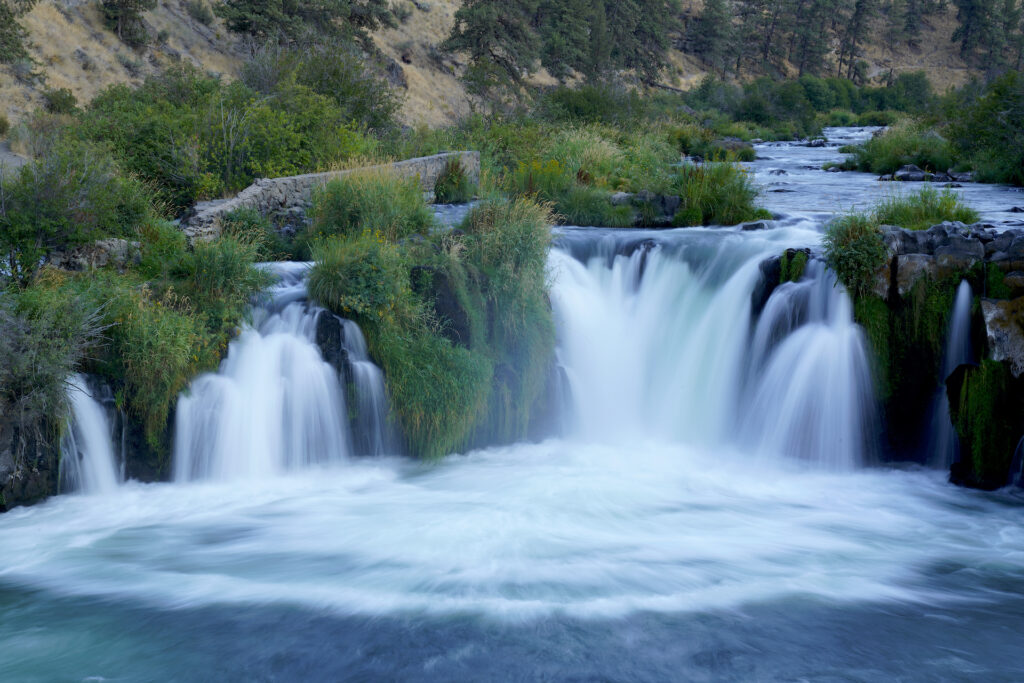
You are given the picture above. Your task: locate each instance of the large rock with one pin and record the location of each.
(433, 285)
(1004, 328)
(911, 173)
(910, 268)
(109, 252)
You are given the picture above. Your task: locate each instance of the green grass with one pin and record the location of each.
(854, 250)
(906, 142)
(376, 201)
(922, 209)
(453, 185)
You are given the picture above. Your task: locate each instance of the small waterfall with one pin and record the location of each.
(372, 432)
(943, 443)
(87, 460)
(658, 341)
(810, 378)
(275, 404)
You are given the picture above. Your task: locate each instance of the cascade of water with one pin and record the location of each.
(372, 432)
(657, 342)
(275, 404)
(87, 453)
(943, 444)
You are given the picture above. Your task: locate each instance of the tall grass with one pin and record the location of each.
(923, 209)
(855, 251)
(715, 194)
(906, 142)
(375, 201)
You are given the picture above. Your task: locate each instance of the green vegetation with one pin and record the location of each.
(12, 35)
(855, 252)
(907, 142)
(792, 264)
(453, 185)
(370, 201)
(298, 20)
(72, 195)
(124, 17)
(987, 127)
(449, 387)
(923, 209)
(986, 407)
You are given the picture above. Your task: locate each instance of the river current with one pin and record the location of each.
(708, 513)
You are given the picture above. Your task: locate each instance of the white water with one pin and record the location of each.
(274, 405)
(682, 488)
(87, 461)
(373, 433)
(943, 444)
(657, 344)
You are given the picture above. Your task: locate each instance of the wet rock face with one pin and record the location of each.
(434, 285)
(1004, 330)
(29, 464)
(109, 252)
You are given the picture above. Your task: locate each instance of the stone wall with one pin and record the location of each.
(271, 195)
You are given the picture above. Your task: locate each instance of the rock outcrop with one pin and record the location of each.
(272, 196)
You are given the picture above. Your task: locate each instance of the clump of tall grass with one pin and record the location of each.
(453, 185)
(906, 142)
(715, 194)
(923, 209)
(376, 201)
(855, 251)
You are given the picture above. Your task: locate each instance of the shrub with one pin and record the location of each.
(363, 278)
(43, 341)
(583, 205)
(905, 143)
(61, 101)
(5, 125)
(923, 209)
(546, 181)
(69, 197)
(722, 193)
(12, 34)
(219, 280)
(453, 185)
(200, 11)
(877, 118)
(124, 17)
(331, 68)
(250, 226)
(855, 251)
(374, 201)
(988, 130)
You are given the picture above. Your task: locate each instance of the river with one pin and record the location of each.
(707, 515)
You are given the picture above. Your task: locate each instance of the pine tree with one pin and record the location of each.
(712, 34)
(564, 35)
(599, 49)
(294, 20)
(502, 46)
(125, 18)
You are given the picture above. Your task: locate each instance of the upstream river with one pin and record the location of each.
(706, 515)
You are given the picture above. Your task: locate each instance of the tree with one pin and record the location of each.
(125, 18)
(294, 20)
(712, 34)
(12, 35)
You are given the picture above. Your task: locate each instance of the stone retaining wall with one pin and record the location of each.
(270, 195)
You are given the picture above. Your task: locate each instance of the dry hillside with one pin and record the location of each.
(74, 50)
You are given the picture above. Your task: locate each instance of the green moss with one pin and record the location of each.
(986, 409)
(792, 265)
(872, 314)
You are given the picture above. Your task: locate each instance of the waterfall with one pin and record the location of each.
(658, 339)
(275, 404)
(943, 444)
(372, 431)
(87, 453)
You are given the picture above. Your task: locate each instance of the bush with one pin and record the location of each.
(877, 118)
(124, 17)
(989, 131)
(438, 391)
(906, 142)
(194, 138)
(855, 251)
(61, 101)
(72, 196)
(545, 181)
(5, 125)
(923, 209)
(719, 193)
(200, 11)
(43, 341)
(12, 34)
(453, 185)
(333, 69)
(583, 205)
(250, 226)
(373, 201)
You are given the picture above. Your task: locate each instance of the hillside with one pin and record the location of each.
(74, 50)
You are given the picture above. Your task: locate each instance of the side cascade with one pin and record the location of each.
(943, 443)
(88, 464)
(660, 340)
(275, 404)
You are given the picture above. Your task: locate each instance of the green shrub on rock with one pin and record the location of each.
(855, 251)
(372, 201)
(453, 185)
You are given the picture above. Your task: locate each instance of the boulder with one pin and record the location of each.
(622, 198)
(911, 173)
(912, 267)
(109, 252)
(1004, 329)
(754, 225)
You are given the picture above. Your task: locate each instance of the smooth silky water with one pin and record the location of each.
(707, 515)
